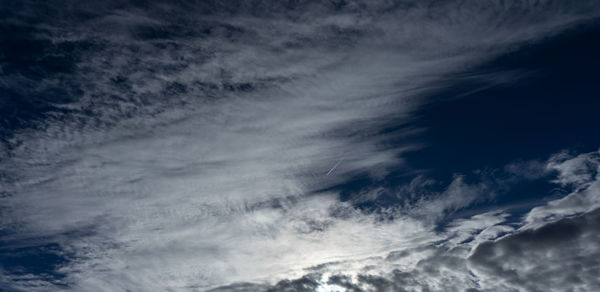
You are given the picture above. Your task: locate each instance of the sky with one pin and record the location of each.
(299, 145)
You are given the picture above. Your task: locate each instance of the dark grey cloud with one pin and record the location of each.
(239, 287)
(304, 284)
(560, 256)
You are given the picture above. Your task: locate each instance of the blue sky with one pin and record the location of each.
(299, 146)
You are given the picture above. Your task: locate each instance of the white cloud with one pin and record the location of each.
(579, 172)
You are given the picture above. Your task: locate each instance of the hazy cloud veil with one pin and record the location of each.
(199, 145)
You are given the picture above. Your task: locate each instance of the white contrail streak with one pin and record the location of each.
(336, 165)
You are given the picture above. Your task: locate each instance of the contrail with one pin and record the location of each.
(336, 165)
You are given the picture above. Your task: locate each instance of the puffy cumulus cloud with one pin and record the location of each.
(182, 146)
(580, 175)
(580, 170)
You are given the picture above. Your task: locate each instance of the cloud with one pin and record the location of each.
(190, 146)
(580, 170)
(487, 252)
(580, 175)
(558, 256)
(527, 169)
(555, 257)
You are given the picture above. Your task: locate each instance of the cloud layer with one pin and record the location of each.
(486, 252)
(188, 146)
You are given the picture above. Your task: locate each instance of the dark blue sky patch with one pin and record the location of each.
(37, 75)
(552, 109)
(40, 260)
(481, 134)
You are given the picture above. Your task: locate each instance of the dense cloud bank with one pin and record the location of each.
(195, 146)
(559, 256)
(486, 252)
